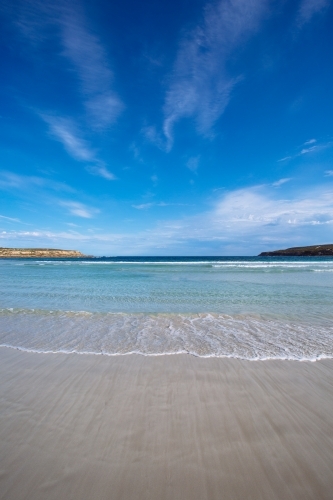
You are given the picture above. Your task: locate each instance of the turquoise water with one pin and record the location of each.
(253, 308)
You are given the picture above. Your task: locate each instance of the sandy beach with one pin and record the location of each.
(165, 427)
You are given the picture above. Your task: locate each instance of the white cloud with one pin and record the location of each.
(304, 151)
(88, 56)
(136, 151)
(244, 222)
(153, 136)
(103, 109)
(79, 209)
(64, 131)
(193, 163)
(11, 180)
(154, 178)
(249, 219)
(281, 182)
(37, 19)
(329, 173)
(258, 206)
(31, 17)
(41, 238)
(10, 219)
(307, 150)
(143, 206)
(311, 141)
(308, 8)
(201, 84)
(101, 171)
(285, 158)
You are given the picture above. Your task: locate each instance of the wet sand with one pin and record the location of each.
(168, 427)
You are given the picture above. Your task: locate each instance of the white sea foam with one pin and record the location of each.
(211, 262)
(249, 337)
(219, 265)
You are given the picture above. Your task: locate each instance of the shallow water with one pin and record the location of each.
(252, 308)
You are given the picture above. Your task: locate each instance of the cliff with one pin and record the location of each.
(311, 251)
(38, 252)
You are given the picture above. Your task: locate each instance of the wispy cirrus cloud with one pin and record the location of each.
(64, 23)
(193, 163)
(152, 135)
(144, 206)
(40, 20)
(304, 151)
(66, 132)
(101, 171)
(40, 236)
(79, 209)
(280, 182)
(310, 141)
(308, 8)
(88, 56)
(307, 147)
(10, 219)
(11, 180)
(200, 85)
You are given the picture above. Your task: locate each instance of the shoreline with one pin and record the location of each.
(164, 427)
(27, 350)
(206, 335)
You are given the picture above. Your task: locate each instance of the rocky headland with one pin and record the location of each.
(311, 251)
(24, 253)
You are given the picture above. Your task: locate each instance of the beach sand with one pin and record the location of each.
(167, 427)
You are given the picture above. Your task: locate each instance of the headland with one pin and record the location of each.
(24, 253)
(309, 251)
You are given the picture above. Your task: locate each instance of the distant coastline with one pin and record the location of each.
(24, 253)
(309, 251)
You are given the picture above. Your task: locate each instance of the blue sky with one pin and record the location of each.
(166, 128)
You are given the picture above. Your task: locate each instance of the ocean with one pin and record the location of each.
(253, 308)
